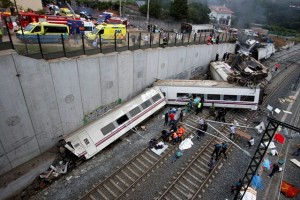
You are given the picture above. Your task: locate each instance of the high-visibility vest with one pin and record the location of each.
(180, 131)
(199, 105)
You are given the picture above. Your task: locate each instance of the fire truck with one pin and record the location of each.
(6, 17)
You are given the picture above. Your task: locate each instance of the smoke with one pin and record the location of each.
(245, 11)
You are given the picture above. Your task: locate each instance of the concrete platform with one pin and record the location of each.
(14, 181)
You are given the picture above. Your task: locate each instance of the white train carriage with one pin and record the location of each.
(93, 137)
(221, 93)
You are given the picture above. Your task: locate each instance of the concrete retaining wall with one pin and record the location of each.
(42, 100)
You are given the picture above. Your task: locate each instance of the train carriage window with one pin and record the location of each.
(86, 141)
(213, 96)
(122, 119)
(230, 97)
(146, 104)
(108, 128)
(183, 95)
(247, 98)
(156, 98)
(76, 145)
(135, 111)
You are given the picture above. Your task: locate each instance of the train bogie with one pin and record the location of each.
(92, 138)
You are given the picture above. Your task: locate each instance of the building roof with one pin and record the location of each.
(221, 9)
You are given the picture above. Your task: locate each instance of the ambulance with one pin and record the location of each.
(108, 33)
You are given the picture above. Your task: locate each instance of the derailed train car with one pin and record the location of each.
(93, 137)
(221, 93)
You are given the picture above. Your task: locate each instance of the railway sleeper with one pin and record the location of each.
(122, 180)
(142, 163)
(175, 195)
(197, 172)
(191, 182)
(147, 159)
(182, 191)
(193, 176)
(127, 175)
(201, 168)
(133, 172)
(186, 187)
(138, 167)
(116, 184)
(102, 194)
(109, 189)
(151, 154)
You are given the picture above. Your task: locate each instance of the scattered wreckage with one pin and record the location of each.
(239, 69)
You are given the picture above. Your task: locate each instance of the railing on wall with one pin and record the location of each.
(43, 47)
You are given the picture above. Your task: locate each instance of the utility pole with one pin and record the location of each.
(148, 11)
(120, 8)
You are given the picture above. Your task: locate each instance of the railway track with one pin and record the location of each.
(192, 180)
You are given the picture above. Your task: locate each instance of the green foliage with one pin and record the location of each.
(155, 9)
(179, 9)
(5, 3)
(102, 5)
(198, 13)
(41, 12)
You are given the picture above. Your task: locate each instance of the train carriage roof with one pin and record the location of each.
(196, 83)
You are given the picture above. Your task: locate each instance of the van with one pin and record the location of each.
(88, 27)
(108, 32)
(49, 33)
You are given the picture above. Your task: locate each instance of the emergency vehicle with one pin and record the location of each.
(49, 33)
(6, 16)
(108, 32)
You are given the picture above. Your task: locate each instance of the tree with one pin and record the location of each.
(155, 8)
(198, 13)
(179, 9)
(5, 3)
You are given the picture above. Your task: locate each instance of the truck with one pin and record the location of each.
(196, 28)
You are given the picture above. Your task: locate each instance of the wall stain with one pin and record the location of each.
(13, 120)
(95, 114)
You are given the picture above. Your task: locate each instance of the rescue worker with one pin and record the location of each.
(165, 41)
(180, 132)
(217, 150)
(175, 138)
(172, 117)
(212, 111)
(209, 40)
(165, 135)
(199, 108)
(1, 34)
(223, 149)
(232, 131)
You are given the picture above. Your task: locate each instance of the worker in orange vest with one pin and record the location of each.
(180, 132)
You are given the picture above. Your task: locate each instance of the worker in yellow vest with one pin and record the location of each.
(199, 107)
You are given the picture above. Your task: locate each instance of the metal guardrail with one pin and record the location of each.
(76, 45)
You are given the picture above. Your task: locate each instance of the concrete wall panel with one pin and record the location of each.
(67, 91)
(163, 63)
(5, 165)
(152, 63)
(109, 78)
(24, 152)
(16, 128)
(173, 61)
(90, 88)
(38, 89)
(139, 72)
(180, 54)
(125, 74)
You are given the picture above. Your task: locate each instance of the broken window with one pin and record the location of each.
(122, 119)
(230, 97)
(247, 98)
(213, 96)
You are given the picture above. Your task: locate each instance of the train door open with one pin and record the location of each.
(87, 142)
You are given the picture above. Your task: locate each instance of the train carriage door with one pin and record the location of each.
(87, 142)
